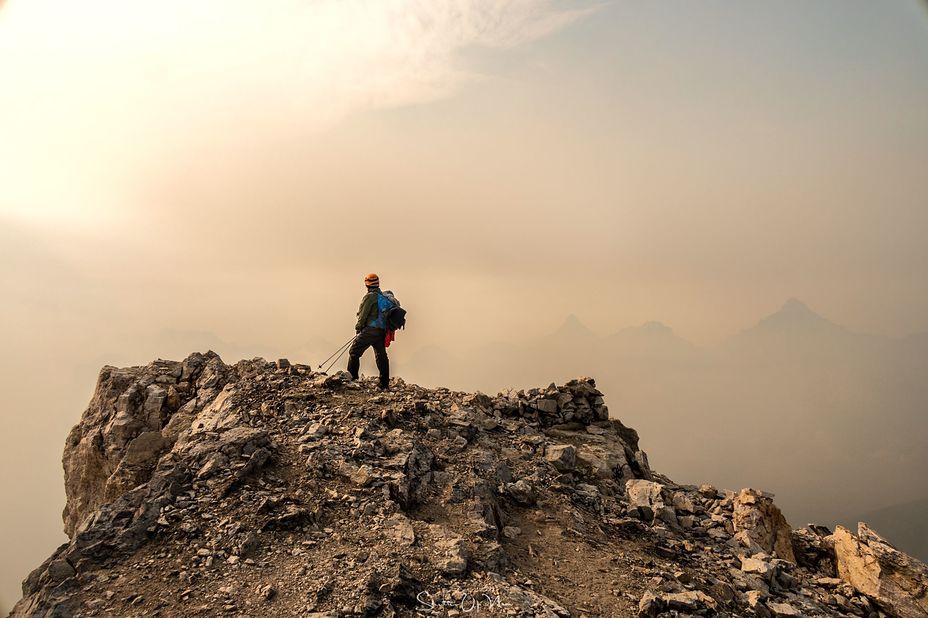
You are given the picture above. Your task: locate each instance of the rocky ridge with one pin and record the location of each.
(199, 488)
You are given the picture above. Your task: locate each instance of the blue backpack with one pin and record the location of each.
(390, 316)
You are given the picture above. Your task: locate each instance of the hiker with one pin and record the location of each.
(371, 330)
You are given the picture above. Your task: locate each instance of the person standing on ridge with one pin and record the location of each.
(371, 331)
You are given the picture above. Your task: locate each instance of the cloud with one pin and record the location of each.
(424, 38)
(357, 52)
(94, 90)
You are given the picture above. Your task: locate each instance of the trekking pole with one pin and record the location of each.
(336, 360)
(341, 349)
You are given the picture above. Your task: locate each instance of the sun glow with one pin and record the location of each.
(94, 91)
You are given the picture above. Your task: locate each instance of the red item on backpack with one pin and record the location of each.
(391, 336)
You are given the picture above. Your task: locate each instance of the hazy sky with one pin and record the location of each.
(236, 167)
(690, 162)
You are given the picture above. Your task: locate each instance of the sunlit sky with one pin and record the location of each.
(691, 158)
(234, 168)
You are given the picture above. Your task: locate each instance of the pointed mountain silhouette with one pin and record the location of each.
(795, 318)
(795, 329)
(573, 328)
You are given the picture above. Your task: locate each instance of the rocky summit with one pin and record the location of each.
(197, 488)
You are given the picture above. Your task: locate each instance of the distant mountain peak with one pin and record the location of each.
(794, 319)
(794, 305)
(654, 326)
(794, 311)
(573, 327)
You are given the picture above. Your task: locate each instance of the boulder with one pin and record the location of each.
(597, 461)
(682, 503)
(562, 456)
(783, 610)
(757, 520)
(755, 600)
(522, 492)
(897, 582)
(649, 501)
(757, 565)
(690, 601)
(546, 406)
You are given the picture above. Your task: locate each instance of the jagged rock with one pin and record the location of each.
(119, 438)
(757, 520)
(828, 582)
(722, 591)
(522, 492)
(412, 488)
(757, 565)
(562, 456)
(362, 476)
(649, 499)
(652, 604)
(595, 461)
(577, 401)
(815, 549)
(755, 598)
(546, 406)
(649, 605)
(292, 517)
(200, 488)
(214, 464)
(783, 610)
(688, 601)
(682, 503)
(59, 570)
(897, 582)
(250, 546)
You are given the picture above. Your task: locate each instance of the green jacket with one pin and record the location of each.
(368, 309)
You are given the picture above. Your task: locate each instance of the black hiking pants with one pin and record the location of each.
(370, 337)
